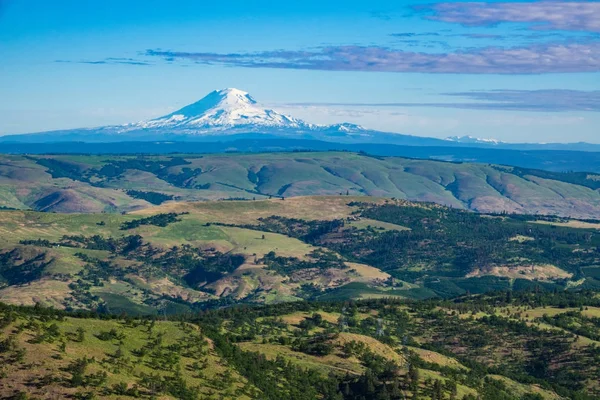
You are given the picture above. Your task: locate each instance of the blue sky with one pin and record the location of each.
(519, 71)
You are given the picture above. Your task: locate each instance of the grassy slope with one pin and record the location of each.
(474, 186)
(201, 227)
(193, 229)
(43, 371)
(45, 362)
(336, 362)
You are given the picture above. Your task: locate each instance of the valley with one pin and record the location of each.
(409, 209)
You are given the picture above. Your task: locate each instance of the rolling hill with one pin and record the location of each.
(330, 297)
(550, 160)
(98, 183)
(179, 257)
(528, 346)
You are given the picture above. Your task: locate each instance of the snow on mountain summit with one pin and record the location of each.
(472, 139)
(231, 114)
(225, 109)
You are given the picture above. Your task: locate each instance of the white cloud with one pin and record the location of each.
(541, 15)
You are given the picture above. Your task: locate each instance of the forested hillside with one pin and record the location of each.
(505, 346)
(182, 257)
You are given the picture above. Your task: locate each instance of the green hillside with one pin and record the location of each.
(506, 346)
(182, 257)
(71, 183)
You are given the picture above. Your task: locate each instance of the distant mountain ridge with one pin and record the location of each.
(97, 183)
(231, 114)
(472, 139)
(218, 116)
(549, 160)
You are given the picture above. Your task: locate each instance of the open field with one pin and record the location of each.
(571, 224)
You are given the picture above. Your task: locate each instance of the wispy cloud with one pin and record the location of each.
(110, 60)
(535, 100)
(480, 36)
(527, 36)
(539, 15)
(549, 100)
(414, 34)
(533, 59)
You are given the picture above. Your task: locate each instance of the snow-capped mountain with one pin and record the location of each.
(230, 114)
(473, 140)
(233, 111)
(223, 110)
(221, 115)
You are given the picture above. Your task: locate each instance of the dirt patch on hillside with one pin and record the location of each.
(47, 292)
(531, 272)
(368, 273)
(166, 287)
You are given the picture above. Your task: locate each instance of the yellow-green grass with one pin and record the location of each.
(372, 344)
(276, 296)
(187, 230)
(45, 358)
(8, 197)
(462, 390)
(192, 230)
(22, 225)
(530, 315)
(248, 212)
(571, 224)
(374, 296)
(325, 364)
(119, 288)
(297, 317)
(436, 358)
(65, 261)
(165, 286)
(364, 223)
(19, 225)
(249, 241)
(47, 292)
(541, 311)
(521, 238)
(367, 273)
(544, 272)
(592, 312)
(581, 341)
(521, 389)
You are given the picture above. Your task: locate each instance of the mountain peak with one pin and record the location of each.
(223, 109)
(231, 92)
(231, 96)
